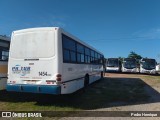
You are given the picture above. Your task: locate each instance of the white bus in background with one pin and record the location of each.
(130, 65)
(158, 67)
(148, 66)
(4, 52)
(51, 61)
(113, 65)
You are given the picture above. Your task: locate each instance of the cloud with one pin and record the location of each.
(45, 20)
(53, 20)
(153, 33)
(58, 24)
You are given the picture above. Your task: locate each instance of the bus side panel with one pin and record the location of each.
(74, 76)
(71, 74)
(95, 77)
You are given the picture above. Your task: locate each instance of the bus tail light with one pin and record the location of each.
(58, 77)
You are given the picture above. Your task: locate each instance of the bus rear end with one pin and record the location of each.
(33, 61)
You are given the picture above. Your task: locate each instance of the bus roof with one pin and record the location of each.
(55, 28)
(33, 29)
(129, 59)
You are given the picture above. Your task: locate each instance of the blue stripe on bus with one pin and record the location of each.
(47, 89)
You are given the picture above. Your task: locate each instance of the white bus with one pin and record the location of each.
(130, 65)
(148, 66)
(113, 65)
(158, 67)
(4, 52)
(51, 61)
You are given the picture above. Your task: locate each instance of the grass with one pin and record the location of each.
(152, 77)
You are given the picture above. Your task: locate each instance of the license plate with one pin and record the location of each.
(147, 71)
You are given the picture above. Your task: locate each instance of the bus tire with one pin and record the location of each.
(86, 80)
(102, 75)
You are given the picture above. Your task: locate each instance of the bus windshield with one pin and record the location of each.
(112, 63)
(130, 64)
(149, 64)
(33, 45)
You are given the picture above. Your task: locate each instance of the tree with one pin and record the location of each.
(121, 58)
(134, 55)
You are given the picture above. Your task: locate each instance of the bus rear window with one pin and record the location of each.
(33, 45)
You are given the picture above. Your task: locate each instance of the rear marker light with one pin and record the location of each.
(58, 75)
(58, 79)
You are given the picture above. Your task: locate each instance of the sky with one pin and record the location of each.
(114, 27)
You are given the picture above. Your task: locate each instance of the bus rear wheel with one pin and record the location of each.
(102, 75)
(86, 80)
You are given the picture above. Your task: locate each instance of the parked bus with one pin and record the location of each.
(130, 65)
(113, 65)
(4, 51)
(51, 61)
(148, 66)
(158, 67)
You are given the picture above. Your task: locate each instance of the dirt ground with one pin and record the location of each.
(152, 87)
(151, 82)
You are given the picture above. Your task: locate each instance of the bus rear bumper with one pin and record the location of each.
(46, 89)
